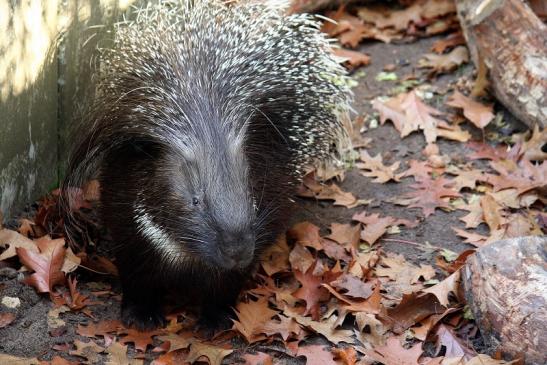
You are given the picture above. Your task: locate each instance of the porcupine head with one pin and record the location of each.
(205, 119)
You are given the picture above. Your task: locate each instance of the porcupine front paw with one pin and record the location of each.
(214, 320)
(142, 318)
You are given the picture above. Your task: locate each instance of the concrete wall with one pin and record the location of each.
(47, 48)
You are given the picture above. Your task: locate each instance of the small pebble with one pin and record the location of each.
(11, 302)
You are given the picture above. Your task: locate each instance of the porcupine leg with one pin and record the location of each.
(142, 295)
(141, 308)
(216, 309)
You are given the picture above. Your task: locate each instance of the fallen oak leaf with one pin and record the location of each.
(409, 113)
(326, 328)
(313, 189)
(117, 354)
(252, 316)
(46, 265)
(141, 339)
(345, 234)
(353, 286)
(422, 331)
(311, 291)
(444, 288)
(534, 148)
(276, 257)
(446, 62)
(14, 240)
(429, 194)
(479, 114)
(177, 341)
(475, 239)
(373, 304)
(316, 354)
(454, 347)
(351, 58)
(375, 168)
(212, 353)
(393, 353)
(88, 350)
(454, 39)
(101, 328)
(285, 327)
(306, 234)
(412, 309)
(300, 258)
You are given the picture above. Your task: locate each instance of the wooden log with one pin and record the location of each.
(505, 286)
(512, 42)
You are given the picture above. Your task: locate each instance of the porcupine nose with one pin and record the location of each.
(237, 249)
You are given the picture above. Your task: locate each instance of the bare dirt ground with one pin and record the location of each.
(30, 335)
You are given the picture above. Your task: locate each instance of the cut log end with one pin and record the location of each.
(506, 288)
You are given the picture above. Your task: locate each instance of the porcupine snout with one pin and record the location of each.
(237, 249)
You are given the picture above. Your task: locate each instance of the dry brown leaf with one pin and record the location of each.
(101, 328)
(425, 326)
(409, 113)
(475, 239)
(352, 59)
(88, 350)
(117, 355)
(345, 234)
(316, 354)
(300, 258)
(46, 265)
(251, 318)
(177, 342)
(371, 330)
(311, 291)
(412, 309)
(141, 339)
(326, 328)
(313, 189)
(534, 148)
(451, 41)
(371, 305)
(404, 273)
(479, 114)
(375, 168)
(285, 327)
(393, 353)
(276, 257)
(445, 287)
(13, 240)
(453, 346)
(306, 234)
(211, 353)
(429, 195)
(353, 286)
(492, 212)
(446, 62)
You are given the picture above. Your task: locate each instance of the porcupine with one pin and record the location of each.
(205, 118)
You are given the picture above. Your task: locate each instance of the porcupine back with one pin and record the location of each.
(189, 62)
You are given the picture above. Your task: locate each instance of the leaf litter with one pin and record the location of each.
(331, 293)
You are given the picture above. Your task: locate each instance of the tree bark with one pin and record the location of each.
(512, 42)
(506, 288)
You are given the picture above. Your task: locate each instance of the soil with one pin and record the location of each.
(29, 334)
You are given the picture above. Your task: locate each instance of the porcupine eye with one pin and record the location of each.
(195, 201)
